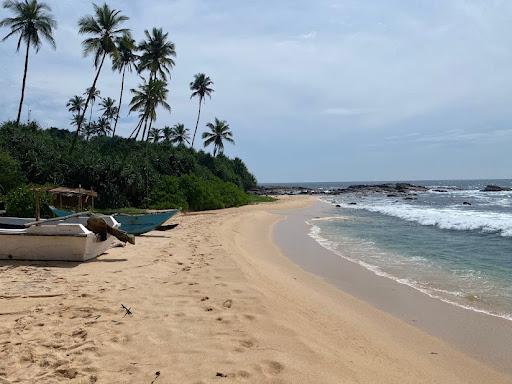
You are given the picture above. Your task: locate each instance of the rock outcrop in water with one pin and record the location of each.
(394, 189)
(495, 188)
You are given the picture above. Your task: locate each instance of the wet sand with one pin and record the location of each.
(212, 301)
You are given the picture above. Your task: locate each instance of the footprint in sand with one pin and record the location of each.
(228, 303)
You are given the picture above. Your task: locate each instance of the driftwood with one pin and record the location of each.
(97, 225)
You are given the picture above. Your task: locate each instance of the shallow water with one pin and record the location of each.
(458, 253)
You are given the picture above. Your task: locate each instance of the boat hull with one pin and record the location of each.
(64, 241)
(133, 224)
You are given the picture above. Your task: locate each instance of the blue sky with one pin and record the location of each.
(323, 90)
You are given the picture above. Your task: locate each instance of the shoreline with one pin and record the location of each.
(212, 300)
(466, 328)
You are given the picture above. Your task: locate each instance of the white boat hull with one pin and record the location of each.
(68, 240)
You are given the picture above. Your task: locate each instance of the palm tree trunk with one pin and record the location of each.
(144, 131)
(137, 128)
(87, 102)
(23, 85)
(149, 129)
(90, 114)
(197, 122)
(120, 100)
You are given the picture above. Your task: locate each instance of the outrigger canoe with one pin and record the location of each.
(133, 224)
(65, 240)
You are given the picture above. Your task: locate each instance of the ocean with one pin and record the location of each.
(437, 244)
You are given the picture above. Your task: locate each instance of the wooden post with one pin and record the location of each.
(38, 205)
(60, 200)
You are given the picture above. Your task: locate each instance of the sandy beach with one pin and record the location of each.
(212, 300)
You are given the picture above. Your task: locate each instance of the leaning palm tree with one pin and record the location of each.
(219, 132)
(32, 22)
(75, 120)
(156, 54)
(75, 104)
(109, 109)
(125, 60)
(103, 28)
(92, 93)
(154, 135)
(180, 135)
(200, 87)
(146, 99)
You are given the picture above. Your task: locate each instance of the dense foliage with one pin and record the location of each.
(125, 173)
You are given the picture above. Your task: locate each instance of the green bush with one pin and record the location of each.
(20, 202)
(196, 193)
(10, 173)
(125, 173)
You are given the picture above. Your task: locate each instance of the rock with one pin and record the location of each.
(494, 188)
(466, 203)
(338, 206)
(352, 203)
(440, 190)
(410, 198)
(391, 195)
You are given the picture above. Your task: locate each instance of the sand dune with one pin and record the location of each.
(212, 300)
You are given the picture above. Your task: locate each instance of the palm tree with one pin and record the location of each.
(76, 119)
(102, 126)
(92, 93)
(180, 135)
(200, 87)
(104, 28)
(108, 106)
(32, 21)
(146, 99)
(219, 132)
(75, 104)
(156, 54)
(167, 134)
(125, 60)
(154, 135)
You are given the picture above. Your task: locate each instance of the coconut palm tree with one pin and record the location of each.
(167, 134)
(125, 60)
(109, 109)
(146, 99)
(92, 93)
(75, 104)
(102, 126)
(76, 118)
(200, 87)
(219, 132)
(104, 27)
(32, 22)
(154, 135)
(180, 135)
(156, 54)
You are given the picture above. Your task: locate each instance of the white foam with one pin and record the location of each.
(444, 218)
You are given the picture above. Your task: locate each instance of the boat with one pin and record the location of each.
(51, 240)
(136, 224)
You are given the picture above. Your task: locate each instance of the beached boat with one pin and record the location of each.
(137, 224)
(66, 240)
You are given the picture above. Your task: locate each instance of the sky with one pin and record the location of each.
(325, 90)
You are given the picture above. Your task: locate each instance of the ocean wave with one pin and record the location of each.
(433, 292)
(445, 218)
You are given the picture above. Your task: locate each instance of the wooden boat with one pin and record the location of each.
(65, 240)
(133, 224)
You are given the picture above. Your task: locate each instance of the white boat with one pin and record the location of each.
(63, 240)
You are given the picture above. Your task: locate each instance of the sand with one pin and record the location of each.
(213, 300)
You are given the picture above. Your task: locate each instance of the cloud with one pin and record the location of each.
(340, 111)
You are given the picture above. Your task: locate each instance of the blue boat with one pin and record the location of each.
(133, 224)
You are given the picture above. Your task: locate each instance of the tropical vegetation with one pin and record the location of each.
(160, 170)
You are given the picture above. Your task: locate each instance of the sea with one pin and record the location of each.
(437, 243)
